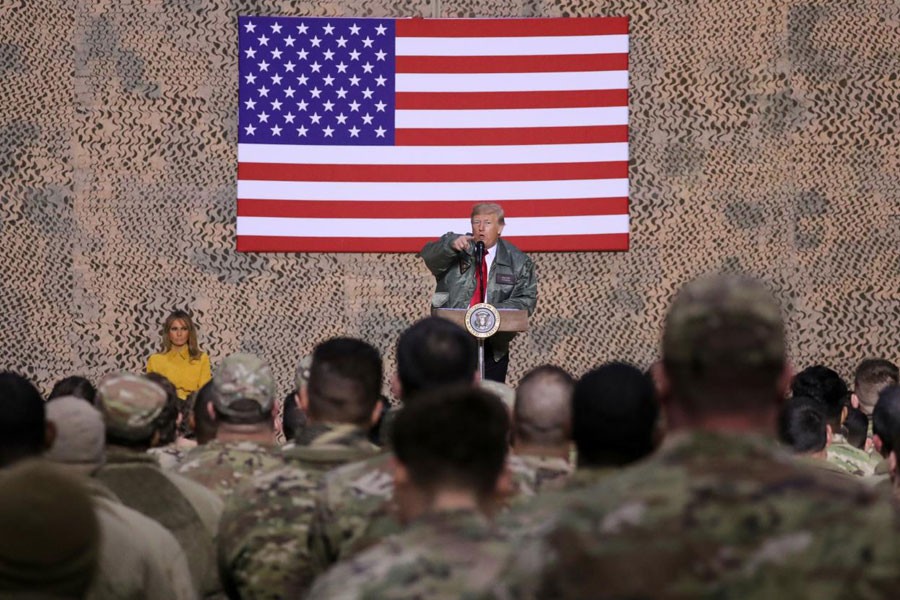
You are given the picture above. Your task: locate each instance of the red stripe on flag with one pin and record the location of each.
(512, 64)
(511, 27)
(430, 173)
(550, 243)
(421, 209)
(489, 100)
(511, 136)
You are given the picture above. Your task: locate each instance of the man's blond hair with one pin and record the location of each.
(488, 208)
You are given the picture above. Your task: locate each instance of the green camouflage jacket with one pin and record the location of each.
(712, 516)
(850, 458)
(532, 475)
(512, 281)
(442, 555)
(263, 533)
(222, 466)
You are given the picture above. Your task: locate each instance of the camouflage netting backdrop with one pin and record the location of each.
(764, 139)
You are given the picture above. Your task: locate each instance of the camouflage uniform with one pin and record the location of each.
(170, 456)
(263, 543)
(534, 474)
(441, 555)
(222, 466)
(850, 458)
(715, 516)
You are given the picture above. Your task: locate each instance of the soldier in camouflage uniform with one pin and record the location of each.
(354, 508)
(263, 536)
(719, 511)
(450, 446)
(242, 396)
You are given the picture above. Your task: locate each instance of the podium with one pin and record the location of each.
(507, 319)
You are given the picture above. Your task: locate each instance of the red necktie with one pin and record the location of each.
(479, 295)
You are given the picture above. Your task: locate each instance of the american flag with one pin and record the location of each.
(378, 135)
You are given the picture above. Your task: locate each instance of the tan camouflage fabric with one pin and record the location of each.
(130, 404)
(169, 456)
(532, 475)
(243, 376)
(712, 516)
(223, 466)
(263, 545)
(850, 458)
(442, 555)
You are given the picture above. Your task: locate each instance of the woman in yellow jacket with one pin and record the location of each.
(181, 360)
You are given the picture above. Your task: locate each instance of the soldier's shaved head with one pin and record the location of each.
(542, 415)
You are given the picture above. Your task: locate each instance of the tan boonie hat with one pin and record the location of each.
(130, 405)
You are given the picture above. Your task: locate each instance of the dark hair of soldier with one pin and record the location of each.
(205, 425)
(823, 384)
(802, 426)
(886, 418)
(344, 381)
(873, 375)
(22, 419)
(453, 436)
(75, 385)
(434, 352)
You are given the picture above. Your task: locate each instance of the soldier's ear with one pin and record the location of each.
(892, 461)
(854, 400)
(396, 387)
(876, 441)
(304, 399)
(784, 381)
(829, 435)
(401, 474)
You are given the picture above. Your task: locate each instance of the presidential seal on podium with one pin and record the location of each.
(482, 320)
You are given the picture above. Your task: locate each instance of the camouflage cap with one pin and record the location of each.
(243, 376)
(724, 319)
(301, 374)
(130, 404)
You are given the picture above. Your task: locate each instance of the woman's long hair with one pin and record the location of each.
(180, 315)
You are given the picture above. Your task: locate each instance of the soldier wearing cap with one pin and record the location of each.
(134, 409)
(719, 510)
(242, 402)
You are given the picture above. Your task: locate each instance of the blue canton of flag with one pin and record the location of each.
(316, 81)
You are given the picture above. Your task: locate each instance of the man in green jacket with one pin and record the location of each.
(511, 279)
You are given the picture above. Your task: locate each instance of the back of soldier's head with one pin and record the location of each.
(723, 346)
(135, 410)
(614, 416)
(205, 425)
(826, 386)
(344, 382)
(244, 390)
(886, 418)
(435, 352)
(802, 426)
(873, 375)
(77, 386)
(453, 438)
(542, 414)
(856, 427)
(22, 419)
(167, 426)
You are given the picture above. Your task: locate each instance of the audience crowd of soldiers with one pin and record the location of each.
(718, 472)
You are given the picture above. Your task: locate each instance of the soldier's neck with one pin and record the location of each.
(453, 499)
(229, 432)
(543, 451)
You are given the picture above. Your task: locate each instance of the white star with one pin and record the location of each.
(289, 41)
(276, 28)
(354, 132)
(302, 54)
(250, 52)
(302, 79)
(250, 129)
(342, 42)
(289, 92)
(381, 29)
(315, 118)
(342, 93)
(289, 66)
(276, 130)
(329, 29)
(329, 105)
(328, 54)
(354, 55)
(276, 105)
(354, 29)
(381, 54)
(341, 67)
(368, 42)
(367, 94)
(263, 41)
(354, 106)
(367, 119)
(302, 105)
(289, 118)
(301, 28)
(341, 119)
(380, 80)
(316, 92)
(367, 68)
(380, 132)
(276, 79)
(328, 131)
(250, 78)
(276, 54)
(302, 131)
(263, 66)
(380, 106)
(249, 27)
(315, 67)
(328, 79)
(263, 91)
(250, 104)
(315, 41)
(263, 117)
(354, 80)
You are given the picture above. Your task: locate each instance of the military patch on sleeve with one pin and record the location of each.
(506, 279)
(464, 265)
